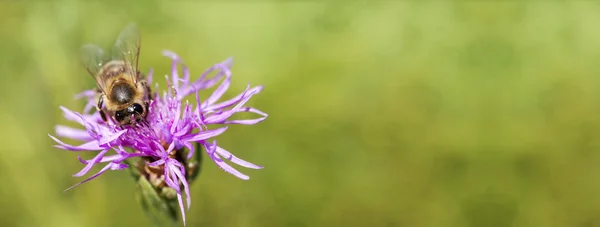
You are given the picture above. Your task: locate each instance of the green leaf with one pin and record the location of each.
(160, 205)
(162, 211)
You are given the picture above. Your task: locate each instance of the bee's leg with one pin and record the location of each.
(147, 107)
(103, 116)
(100, 103)
(99, 108)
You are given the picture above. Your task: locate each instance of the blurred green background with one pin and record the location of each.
(382, 113)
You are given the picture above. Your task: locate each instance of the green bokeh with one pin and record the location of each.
(383, 113)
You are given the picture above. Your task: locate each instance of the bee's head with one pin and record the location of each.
(134, 113)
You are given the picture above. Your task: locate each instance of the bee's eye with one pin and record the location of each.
(120, 115)
(137, 108)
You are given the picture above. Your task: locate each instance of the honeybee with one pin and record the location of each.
(123, 93)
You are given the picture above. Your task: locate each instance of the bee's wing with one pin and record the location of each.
(92, 57)
(127, 49)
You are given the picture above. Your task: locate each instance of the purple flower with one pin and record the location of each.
(173, 126)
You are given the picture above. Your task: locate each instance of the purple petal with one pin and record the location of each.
(201, 83)
(171, 178)
(230, 102)
(170, 181)
(90, 94)
(176, 121)
(110, 158)
(113, 137)
(108, 166)
(227, 63)
(95, 118)
(120, 150)
(89, 146)
(183, 131)
(157, 163)
(171, 55)
(89, 107)
(191, 150)
(169, 87)
(253, 110)
(181, 207)
(199, 111)
(245, 122)
(72, 133)
(162, 153)
(85, 162)
(204, 135)
(185, 184)
(91, 130)
(225, 154)
(171, 146)
(175, 162)
(215, 119)
(187, 113)
(206, 84)
(222, 164)
(174, 73)
(118, 166)
(126, 157)
(216, 95)
(149, 76)
(71, 115)
(244, 95)
(249, 121)
(116, 158)
(186, 73)
(223, 65)
(83, 120)
(91, 163)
